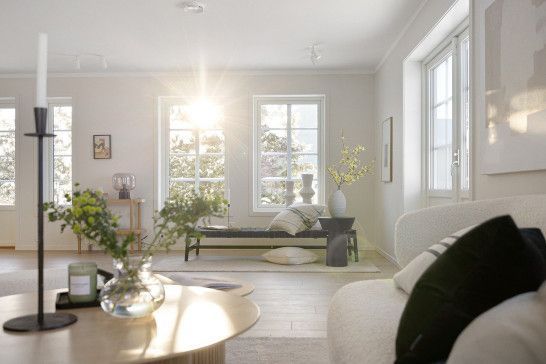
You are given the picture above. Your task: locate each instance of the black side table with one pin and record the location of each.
(336, 249)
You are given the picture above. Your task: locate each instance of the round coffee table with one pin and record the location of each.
(190, 327)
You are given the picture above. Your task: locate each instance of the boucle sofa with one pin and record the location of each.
(363, 316)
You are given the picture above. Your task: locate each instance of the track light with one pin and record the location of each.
(315, 54)
(192, 7)
(77, 58)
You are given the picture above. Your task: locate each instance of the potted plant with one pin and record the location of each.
(134, 291)
(346, 171)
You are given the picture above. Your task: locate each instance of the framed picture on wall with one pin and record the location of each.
(102, 147)
(386, 150)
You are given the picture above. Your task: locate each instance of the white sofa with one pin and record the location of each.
(363, 316)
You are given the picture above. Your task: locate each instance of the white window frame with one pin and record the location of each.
(258, 100)
(49, 174)
(8, 103)
(163, 131)
(450, 45)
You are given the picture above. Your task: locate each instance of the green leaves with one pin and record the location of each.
(90, 217)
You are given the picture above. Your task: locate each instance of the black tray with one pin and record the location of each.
(62, 302)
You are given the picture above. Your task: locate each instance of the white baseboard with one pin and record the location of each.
(387, 256)
(33, 245)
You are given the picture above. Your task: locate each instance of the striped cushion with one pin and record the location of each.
(407, 277)
(296, 218)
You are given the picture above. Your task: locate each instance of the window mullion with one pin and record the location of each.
(197, 161)
(289, 142)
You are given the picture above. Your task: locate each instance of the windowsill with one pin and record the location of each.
(7, 208)
(265, 213)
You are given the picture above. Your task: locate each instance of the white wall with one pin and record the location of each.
(490, 186)
(389, 102)
(126, 108)
(388, 81)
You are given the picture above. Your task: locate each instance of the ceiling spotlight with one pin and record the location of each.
(192, 7)
(315, 54)
(104, 63)
(77, 63)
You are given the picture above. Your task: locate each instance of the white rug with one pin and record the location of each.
(250, 350)
(252, 264)
(24, 281)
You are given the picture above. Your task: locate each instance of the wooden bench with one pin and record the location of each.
(259, 233)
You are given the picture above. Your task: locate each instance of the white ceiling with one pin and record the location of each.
(156, 36)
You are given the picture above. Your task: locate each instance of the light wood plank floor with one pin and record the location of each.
(292, 304)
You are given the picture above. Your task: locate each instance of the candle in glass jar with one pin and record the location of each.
(82, 282)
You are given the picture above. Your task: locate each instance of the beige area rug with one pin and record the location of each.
(251, 350)
(176, 263)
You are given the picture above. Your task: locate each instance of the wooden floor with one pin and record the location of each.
(292, 304)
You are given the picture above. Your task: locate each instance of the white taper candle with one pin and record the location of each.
(41, 71)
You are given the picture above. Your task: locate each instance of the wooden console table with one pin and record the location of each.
(135, 221)
(259, 233)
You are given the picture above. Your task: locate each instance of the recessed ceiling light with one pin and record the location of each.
(192, 7)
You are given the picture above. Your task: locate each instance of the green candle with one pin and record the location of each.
(82, 282)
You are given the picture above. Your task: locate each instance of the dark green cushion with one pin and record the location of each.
(486, 266)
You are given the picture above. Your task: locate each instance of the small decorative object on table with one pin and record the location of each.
(124, 183)
(307, 192)
(348, 170)
(289, 195)
(134, 291)
(82, 282)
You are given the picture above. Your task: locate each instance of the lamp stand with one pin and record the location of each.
(40, 321)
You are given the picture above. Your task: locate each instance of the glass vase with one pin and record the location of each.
(134, 291)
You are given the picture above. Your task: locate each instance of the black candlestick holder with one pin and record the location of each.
(40, 321)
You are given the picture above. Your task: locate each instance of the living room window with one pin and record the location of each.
(60, 150)
(194, 147)
(448, 119)
(288, 141)
(7, 152)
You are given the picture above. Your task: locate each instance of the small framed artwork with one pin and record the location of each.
(386, 150)
(102, 147)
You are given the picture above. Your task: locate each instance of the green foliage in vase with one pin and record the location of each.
(89, 216)
(349, 168)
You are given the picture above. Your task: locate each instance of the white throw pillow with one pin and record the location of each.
(296, 218)
(407, 277)
(511, 332)
(290, 256)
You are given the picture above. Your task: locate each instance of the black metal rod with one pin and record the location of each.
(40, 230)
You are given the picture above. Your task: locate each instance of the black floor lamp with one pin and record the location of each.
(40, 321)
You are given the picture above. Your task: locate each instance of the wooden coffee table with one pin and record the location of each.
(190, 327)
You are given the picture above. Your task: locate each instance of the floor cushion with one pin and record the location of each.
(290, 256)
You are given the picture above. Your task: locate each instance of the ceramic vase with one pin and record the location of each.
(337, 204)
(307, 191)
(289, 195)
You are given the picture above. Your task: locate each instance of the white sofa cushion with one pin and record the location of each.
(512, 332)
(290, 256)
(363, 320)
(296, 218)
(407, 277)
